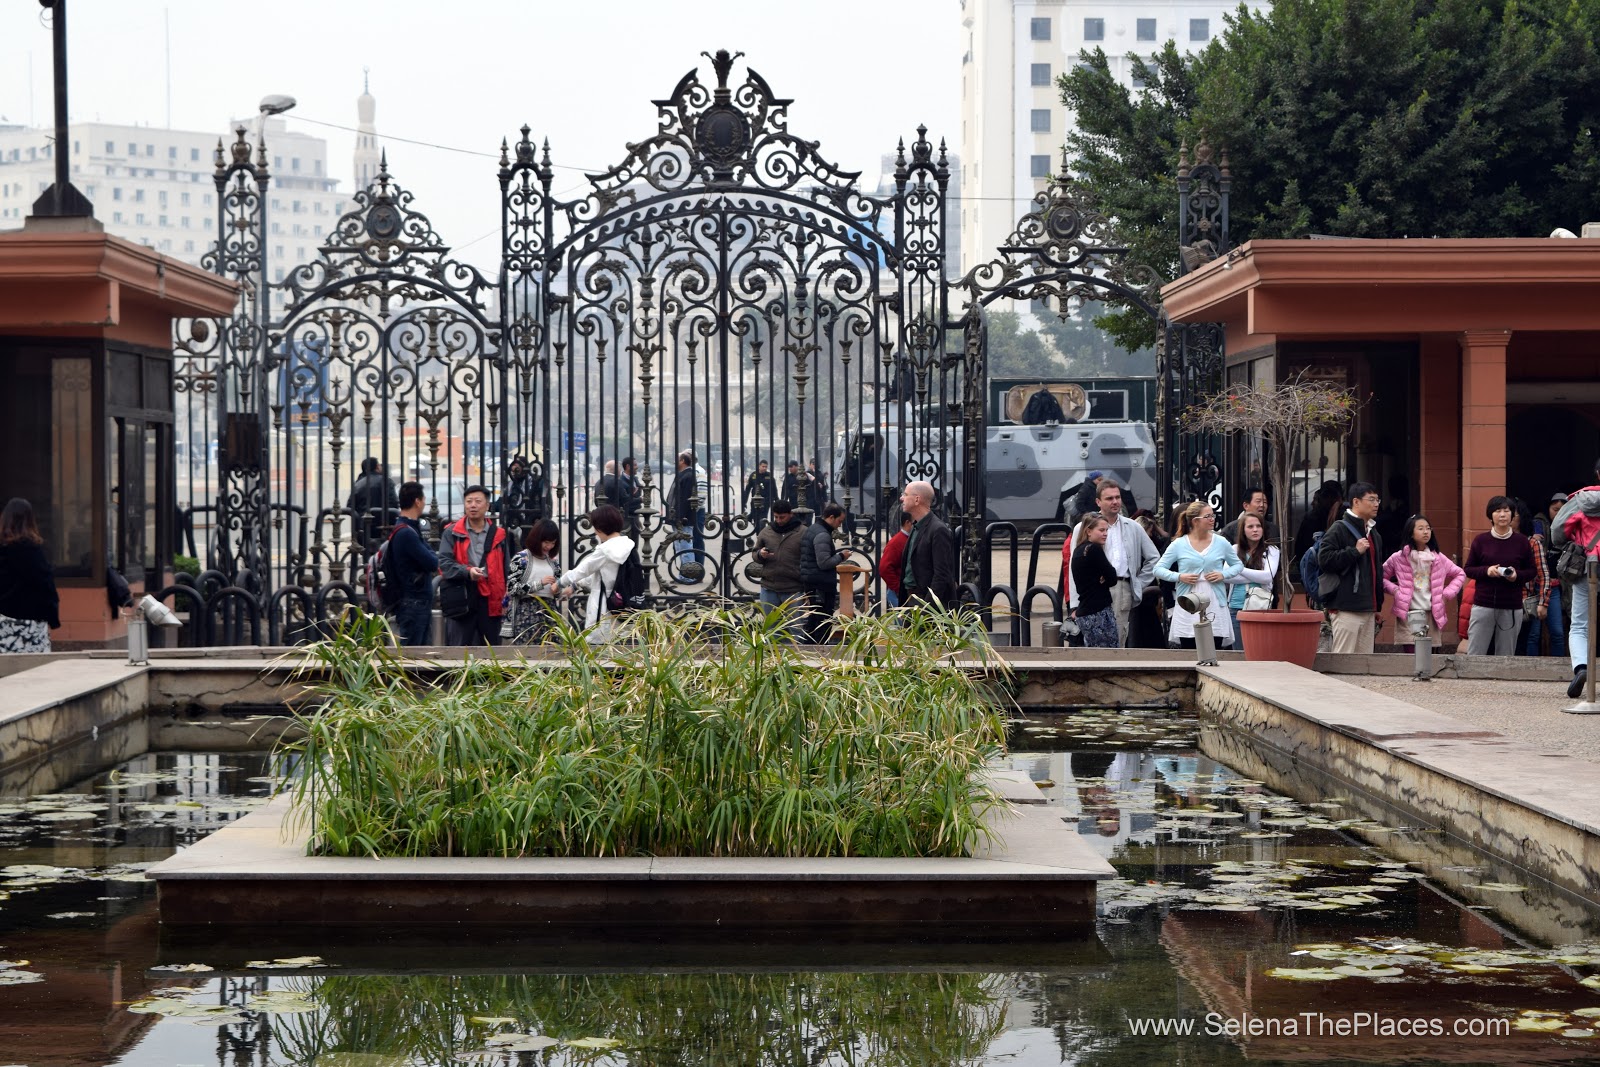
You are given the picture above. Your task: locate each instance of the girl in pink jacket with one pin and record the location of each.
(1419, 579)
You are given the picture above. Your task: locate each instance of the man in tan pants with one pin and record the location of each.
(1351, 551)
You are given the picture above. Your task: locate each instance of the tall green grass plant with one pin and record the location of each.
(708, 734)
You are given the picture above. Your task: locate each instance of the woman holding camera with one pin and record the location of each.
(1200, 562)
(1498, 562)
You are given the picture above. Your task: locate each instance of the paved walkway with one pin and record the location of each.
(1527, 711)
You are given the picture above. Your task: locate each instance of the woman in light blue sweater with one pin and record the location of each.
(1198, 559)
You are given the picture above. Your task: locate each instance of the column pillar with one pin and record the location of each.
(1439, 418)
(1483, 425)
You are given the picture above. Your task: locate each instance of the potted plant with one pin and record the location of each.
(1286, 416)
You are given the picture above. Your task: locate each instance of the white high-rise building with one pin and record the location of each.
(1013, 123)
(156, 186)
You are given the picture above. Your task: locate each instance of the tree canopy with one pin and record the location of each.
(1354, 118)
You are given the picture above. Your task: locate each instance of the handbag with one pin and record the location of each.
(455, 599)
(1572, 561)
(1257, 598)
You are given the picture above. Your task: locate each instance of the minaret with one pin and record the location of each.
(366, 153)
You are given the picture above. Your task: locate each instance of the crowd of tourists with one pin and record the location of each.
(1124, 579)
(497, 584)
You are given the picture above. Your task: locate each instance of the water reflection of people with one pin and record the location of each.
(1097, 797)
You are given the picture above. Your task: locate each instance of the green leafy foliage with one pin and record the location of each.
(1355, 118)
(709, 734)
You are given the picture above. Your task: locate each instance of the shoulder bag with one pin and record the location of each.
(1570, 564)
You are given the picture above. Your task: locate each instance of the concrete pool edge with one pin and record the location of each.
(1507, 798)
(1037, 874)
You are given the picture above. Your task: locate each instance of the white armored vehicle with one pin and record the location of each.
(1032, 455)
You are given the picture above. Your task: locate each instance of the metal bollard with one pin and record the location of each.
(1205, 642)
(1198, 603)
(1424, 648)
(138, 641)
(1588, 706)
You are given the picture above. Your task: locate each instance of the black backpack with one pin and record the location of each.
(630, 592)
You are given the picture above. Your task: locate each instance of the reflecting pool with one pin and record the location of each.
(1245, 927)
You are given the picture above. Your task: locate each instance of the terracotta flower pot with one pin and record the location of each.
(1277, 635)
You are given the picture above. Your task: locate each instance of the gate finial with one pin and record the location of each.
(723, 62)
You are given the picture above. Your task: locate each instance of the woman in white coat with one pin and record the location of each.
(597, 572)
(1198, 559)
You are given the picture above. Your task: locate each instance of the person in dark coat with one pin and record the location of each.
(793, 487)
(682, 505)
(931, 561)
(1043, 407)
(524, 501)
(760, 490)
(29, 605)
(414, 564)
(819, 563)
(816, 487)
(375, 501)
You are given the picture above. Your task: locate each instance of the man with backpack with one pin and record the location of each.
(1575, 533)
(409, 564)
(1350, 585)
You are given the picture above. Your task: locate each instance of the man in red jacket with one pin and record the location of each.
(892, 562)
(472, 552)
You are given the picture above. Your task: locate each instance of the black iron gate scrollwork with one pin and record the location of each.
(724, 290)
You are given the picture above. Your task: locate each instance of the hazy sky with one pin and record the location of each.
(863, 73)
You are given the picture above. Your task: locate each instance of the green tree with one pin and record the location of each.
(1090, 351)
(1355, 118)
(1018, 353)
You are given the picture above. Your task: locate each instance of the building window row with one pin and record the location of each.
(1094, 29)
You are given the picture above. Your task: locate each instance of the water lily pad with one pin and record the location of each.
(1574, 1032)
(1539, 1024)
(491, 1020)
(593, 1042)
(19, 977)
(1357, 971)
(288, 962)
(69, 815)
(72, 914)
(1499, 887)
(184, 968)
(1305, 974)
(1588, 1013)
(1593, 981)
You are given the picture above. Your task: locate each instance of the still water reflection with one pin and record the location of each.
(1236, 909)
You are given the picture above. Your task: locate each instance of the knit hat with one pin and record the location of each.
(1558, 498)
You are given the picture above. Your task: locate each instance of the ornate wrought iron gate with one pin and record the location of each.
(724, 289)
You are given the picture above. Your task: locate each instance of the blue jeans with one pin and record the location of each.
(1578, 639)
(771, 600)
(1552, 619)
(412, 621)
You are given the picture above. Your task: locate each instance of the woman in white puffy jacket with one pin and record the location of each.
(597, 572)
